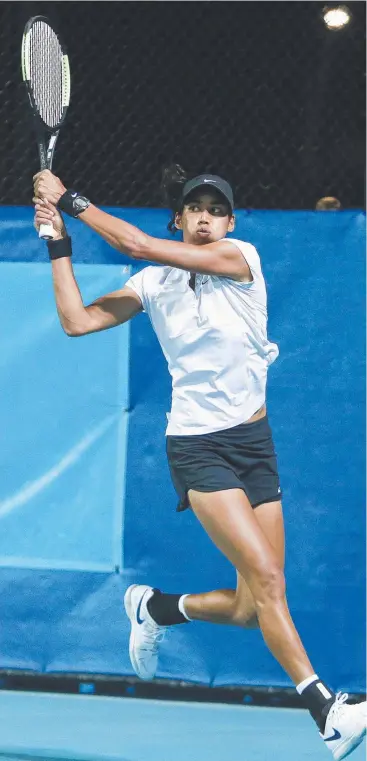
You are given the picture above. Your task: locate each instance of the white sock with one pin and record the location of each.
(181, 606)
(306, 682)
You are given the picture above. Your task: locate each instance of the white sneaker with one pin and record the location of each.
(345, 726)
(145, 635)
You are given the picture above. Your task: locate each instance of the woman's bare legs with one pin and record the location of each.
(236, 606)
(229, 520)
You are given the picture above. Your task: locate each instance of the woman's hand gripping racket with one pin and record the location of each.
(46, 73)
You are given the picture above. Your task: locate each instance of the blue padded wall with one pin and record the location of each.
(63, 417)
(314, 267)
(86, 504)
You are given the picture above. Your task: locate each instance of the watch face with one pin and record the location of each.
(80, 204)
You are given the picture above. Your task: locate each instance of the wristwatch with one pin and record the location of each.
(72, 203)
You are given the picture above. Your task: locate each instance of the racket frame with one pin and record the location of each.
(42, 130)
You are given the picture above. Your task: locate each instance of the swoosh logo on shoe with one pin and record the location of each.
(335, 736)
(140, 620)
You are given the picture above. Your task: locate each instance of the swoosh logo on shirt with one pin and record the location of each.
(140, 620)
(335, 736)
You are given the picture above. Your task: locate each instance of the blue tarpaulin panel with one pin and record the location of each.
(86, 503)
(63, 419)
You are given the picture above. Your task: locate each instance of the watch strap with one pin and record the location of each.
(73, 203)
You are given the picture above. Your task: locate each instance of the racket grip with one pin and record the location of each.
(46, 232)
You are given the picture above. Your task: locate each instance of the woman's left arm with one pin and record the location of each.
(220, 258)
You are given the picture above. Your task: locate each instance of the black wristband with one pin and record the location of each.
(60, 248)
(72, 203)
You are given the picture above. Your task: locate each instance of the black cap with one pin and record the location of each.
(212, 181)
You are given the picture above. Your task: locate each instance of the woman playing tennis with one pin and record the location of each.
(207, 306)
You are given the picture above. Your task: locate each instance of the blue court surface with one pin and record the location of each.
(90, 728)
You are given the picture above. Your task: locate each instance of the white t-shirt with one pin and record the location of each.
(214, 341)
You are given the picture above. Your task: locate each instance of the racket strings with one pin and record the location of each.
(46, 73)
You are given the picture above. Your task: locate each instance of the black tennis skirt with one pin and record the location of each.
(242, 457)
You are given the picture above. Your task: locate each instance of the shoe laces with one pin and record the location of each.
(152, 636)
(340, 699)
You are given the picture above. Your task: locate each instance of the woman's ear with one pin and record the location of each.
(231, 223)
(178, 220)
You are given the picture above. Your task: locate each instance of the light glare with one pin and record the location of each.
(336, 18)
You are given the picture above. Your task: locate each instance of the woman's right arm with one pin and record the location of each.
(106, 312)
(76, 319)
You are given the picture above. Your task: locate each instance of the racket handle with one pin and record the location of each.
(46, 232)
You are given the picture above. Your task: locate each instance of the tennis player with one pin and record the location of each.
(207, 306)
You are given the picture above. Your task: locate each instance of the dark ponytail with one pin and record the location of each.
(173, 180)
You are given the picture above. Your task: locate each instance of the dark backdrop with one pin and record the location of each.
(260, 92)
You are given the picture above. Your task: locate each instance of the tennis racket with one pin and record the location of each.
(46, 74)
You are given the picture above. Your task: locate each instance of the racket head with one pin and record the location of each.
(46, 72)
